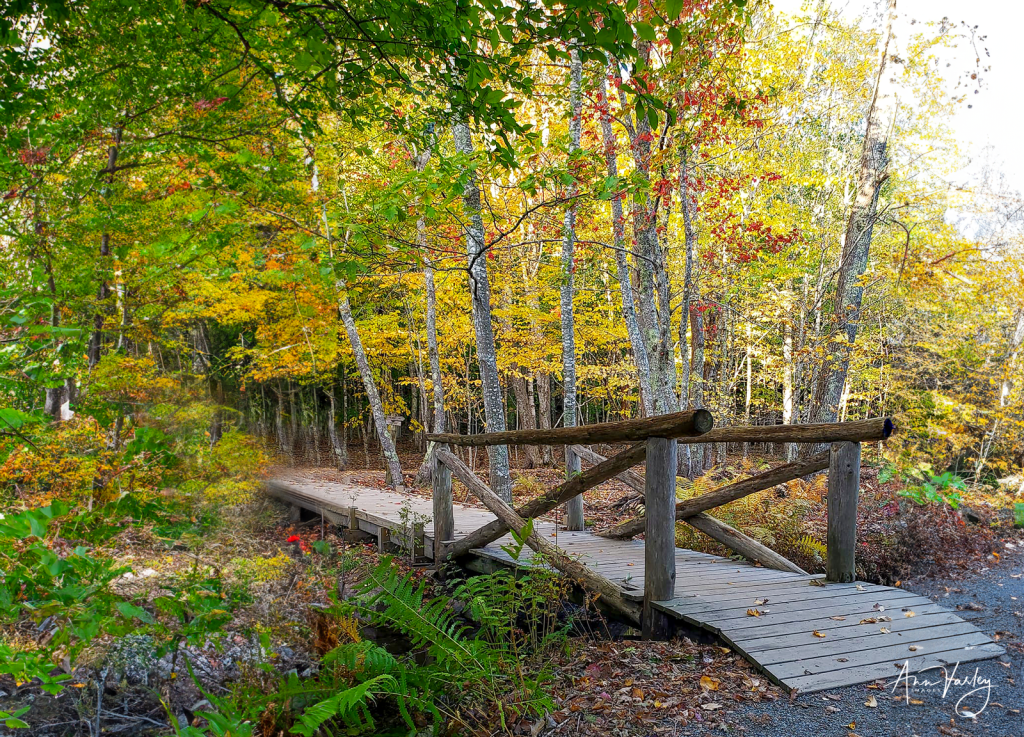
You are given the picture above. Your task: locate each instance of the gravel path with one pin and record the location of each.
(993, 599)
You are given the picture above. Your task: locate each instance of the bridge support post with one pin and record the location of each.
(573, 507)
(843, 490)
(444, 511)
(660, 543)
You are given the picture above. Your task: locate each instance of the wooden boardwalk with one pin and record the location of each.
(802, 633)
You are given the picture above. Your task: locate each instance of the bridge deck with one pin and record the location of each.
(802, 633)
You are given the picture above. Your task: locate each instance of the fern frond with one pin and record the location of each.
(348, 705)
(364, 658)
(428, 624)
(811, 547)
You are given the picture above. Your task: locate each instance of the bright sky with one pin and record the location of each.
(997, 114)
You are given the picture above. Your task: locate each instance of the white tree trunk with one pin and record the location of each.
(380, 422)
(859, 229)
(636, 340)
(574, 507)
(480, 291)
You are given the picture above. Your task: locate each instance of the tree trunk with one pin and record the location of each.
(95, 350)
(423, 476)
(282, 437)
(788, 376)
(337, 446)
(574, 507)
(636, 339)
(525, 412)
(380, 422)
(653, 280)
(544, 411)
(480, 291)
(859, 229)
(293, 418)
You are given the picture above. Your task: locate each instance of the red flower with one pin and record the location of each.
(294, 539)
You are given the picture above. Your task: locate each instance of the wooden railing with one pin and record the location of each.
(656, 440)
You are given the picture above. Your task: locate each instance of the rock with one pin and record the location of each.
(970, 515)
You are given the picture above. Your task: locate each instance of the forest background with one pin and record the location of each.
(327, 226)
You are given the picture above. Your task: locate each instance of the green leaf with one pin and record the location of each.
(15, 418)
(645, 31)
(676, 37)
(304, 61)
(134, 612)
(673, 8)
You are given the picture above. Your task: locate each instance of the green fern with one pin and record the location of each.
(811, 547)
(349, 705)
(429, 624)
(363, 657)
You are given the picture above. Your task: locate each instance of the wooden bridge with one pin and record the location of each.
(805, 632)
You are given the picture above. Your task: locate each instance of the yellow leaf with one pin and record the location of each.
(818, 634)
(871, 703)
(753, 612)
(909, 614)
(708, 684)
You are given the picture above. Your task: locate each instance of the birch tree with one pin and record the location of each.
(480, 294)
(849, 294)
(574, 507)
(636, 339)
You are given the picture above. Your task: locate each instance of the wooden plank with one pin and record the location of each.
(843, 491)
(714, 594)
(728, 493)
(897, 652)
(709, 575)
(861, 609)
(735, 610)
(676, 425)
(839, 630)
(856, 642)
(799, 592)
(889, 671)
(821, 622)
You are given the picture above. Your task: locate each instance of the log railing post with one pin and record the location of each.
(573, 507)
(444, 512)
(660, 543)
(843, 489)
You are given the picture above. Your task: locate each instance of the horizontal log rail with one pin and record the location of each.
(691, 423)
(545, 502)
(724, 495)
(856, 431)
